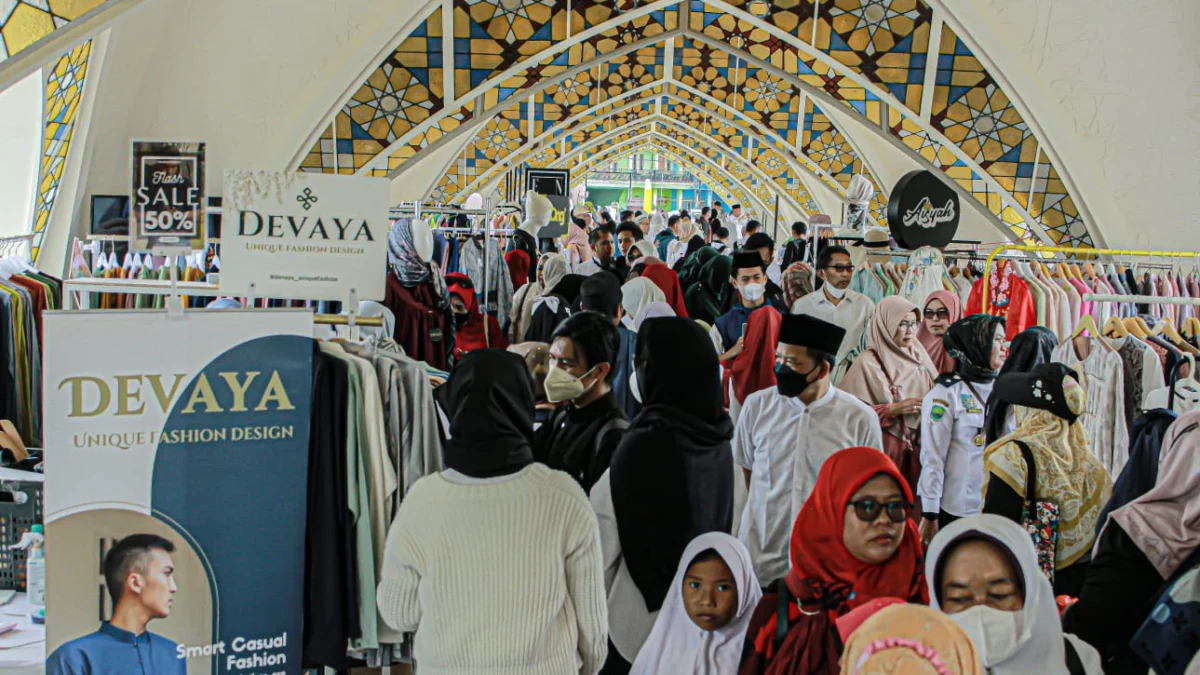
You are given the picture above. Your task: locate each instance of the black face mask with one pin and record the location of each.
(790, 383)
(461, 319)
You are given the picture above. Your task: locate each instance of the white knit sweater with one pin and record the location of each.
(498, 577)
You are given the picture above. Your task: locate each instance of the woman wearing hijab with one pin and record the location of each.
(1029, 349)
(942, 308)
(796, 282)
(689, 272)
(511, 540)
(951, 484)
(703, 297)
(469, 321)
(556, 303)
(852, 543)
(654, 310)
(416, 295)
(668, 282)
(910, 640)
(1144, 546)
(671, 479)
(1066, 472)
(688, 243)
(893, 375)
(703, 620)
(636, 294)
(984, 573)
(552, 267)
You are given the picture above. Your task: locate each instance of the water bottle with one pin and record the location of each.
(35, 570)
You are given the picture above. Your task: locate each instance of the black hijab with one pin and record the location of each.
(969, 342)
(672, 474)
(1030, 349)
(489, 400)
(1040, 389)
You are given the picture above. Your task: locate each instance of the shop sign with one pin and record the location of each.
(199, 435)
(923, 211)
(304, 235)
(168, 194)
(555, 185)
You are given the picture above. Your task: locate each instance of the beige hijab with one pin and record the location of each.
(910, 640)
(552, 267)
(908, 368)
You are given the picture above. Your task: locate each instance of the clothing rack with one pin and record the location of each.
(11, 246)
(1141, 299)
(987, 272)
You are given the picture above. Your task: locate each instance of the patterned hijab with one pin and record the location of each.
(1068, 473)
(797, 282)
(408, 267)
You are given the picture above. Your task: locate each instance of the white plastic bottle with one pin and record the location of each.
(35, 570)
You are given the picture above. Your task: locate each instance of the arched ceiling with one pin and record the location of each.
(534, 80)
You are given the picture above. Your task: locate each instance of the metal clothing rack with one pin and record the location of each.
(11, 246)
(416, 211)
(1133, 253)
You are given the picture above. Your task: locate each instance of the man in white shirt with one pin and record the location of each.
(836, 303)
(736, 222)
(601, 241)
(785, 434)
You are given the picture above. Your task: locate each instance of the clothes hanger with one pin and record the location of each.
(1086, 323)
(1113, 328)
(1166, 328)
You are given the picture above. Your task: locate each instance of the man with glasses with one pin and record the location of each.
(785, 434)
(834, 302)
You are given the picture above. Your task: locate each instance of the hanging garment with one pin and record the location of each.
(1104, 419)
(924, 276)
(498, 293)
(1009, 298)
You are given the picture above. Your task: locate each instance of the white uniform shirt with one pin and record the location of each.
(952, 444)
(853, 313)
(587, 268)
(784, 443)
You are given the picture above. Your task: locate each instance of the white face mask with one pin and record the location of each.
(835, 293)
(563, 386)
(995, 633)
(753, 292)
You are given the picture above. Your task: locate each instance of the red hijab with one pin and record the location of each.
(754, 369)
(824, 574)
(933, 343)
(469, 336)
(667, 280)
(518, 268)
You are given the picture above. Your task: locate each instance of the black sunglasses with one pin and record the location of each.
(937, 314)
(868, 510)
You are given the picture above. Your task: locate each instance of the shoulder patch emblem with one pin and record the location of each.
(937, 412)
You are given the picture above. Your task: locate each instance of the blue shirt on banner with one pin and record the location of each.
(112, 651)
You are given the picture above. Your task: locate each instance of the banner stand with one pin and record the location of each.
(173, 303)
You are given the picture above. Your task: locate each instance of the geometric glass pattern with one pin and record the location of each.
(64, 91)
(24, 22)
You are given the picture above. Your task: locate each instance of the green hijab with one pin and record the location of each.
(692, 266)
(703, 298)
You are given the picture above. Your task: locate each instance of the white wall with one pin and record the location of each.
(889, 164)
(1111, 84)
(21, 126)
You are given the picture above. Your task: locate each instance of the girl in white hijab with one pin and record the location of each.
(635, 295)
(703, 620)
(983, 572)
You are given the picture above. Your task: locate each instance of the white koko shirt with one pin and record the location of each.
(784, 443)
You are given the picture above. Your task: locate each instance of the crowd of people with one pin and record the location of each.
(693, 459)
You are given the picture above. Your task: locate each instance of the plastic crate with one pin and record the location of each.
(16, 520)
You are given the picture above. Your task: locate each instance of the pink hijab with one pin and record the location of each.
(577, 238)
(1165, 522)
(933, 343)
(908, 368)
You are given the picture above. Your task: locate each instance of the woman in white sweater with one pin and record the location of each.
(495, 562)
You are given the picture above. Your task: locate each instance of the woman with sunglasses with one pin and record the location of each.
(852, 543)
(942, 308)
(893, 375)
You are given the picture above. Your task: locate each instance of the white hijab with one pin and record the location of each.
(675, 642)
(638, 293)
(1040, 641)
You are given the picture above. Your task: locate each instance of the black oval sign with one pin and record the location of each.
(923, 211)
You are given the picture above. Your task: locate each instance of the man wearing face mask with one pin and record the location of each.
(750, 284)
(583, 432)
(785, 434)
(836, 303)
